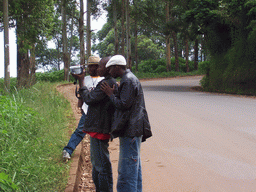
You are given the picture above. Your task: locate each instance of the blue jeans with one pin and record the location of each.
(101, 165)
(129, 166)
(77, 136)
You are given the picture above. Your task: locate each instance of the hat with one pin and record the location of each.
(116, 60)
(93, 60)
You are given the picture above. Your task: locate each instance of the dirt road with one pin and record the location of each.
(201, 142)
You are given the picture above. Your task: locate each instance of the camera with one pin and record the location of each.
(76, 70)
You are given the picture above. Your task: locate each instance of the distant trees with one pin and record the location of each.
(222, 31)
(162, 22)
(33, 20)
(36, 23)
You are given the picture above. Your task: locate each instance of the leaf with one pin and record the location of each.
(6, 183)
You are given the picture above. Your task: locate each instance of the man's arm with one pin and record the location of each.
(126, 97)
(93, 96)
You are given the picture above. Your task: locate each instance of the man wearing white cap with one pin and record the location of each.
(130, 123)
(90, 82)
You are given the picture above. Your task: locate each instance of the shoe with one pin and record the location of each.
(66, 155)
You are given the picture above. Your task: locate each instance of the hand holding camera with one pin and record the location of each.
(78, 73)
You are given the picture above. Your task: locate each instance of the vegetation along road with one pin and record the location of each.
(201, 141)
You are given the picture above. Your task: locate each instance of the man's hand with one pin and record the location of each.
(107, 89)
(79, 76)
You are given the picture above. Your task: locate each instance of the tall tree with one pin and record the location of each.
(128, 36)
(65, 40)
(196, 54)
(136, 18)
(37, 17)
(81, 33)
(115, 25)
(167, 39)
(123, 26)
(88, 29)
(6, 46)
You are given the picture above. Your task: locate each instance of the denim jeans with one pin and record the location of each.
(77, 136)
(101, 165)
(129, 166)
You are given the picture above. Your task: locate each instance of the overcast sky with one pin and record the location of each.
(95, 25)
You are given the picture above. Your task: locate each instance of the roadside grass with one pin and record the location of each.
(33, 131)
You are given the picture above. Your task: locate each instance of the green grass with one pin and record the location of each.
(33, 131)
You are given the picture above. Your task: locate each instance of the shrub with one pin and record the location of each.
(149, 66)
(159, 66)
(204, 67)
(55, 76)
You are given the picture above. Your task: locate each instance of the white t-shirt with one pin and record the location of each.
(90, 82)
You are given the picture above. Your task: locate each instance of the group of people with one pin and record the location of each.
(111, 110)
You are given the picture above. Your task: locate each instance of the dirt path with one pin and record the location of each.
(80, 179)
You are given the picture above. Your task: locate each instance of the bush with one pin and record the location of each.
(149, 66)
(55, 76)
(204, 67)
(182, 64)
(159, 66)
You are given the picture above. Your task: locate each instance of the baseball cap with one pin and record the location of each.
(93, 60)
(116, 60)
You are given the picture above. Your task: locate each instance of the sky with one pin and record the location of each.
(95, 25)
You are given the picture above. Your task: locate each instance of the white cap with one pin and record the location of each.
(116, 60)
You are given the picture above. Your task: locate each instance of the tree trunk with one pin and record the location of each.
(23, 69)
(88, 30)
(136, 36)
(59, 53)
(32, 74)
(196, 54)
(123, 27)
(128, 36)
(71, 38)
(23, 63)
(115, 26)
(167, 39)
(187, 50)
(65, 41)
(81, 33)
(175, 42)
(174, 36)
(6, 46)
(136, 46)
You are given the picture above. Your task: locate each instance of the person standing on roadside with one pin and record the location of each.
(90, 82)
(130, 123)
(97, 125)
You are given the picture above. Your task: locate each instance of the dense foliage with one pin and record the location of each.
(32, 133)
(54, 76)
(229, 27)
(222, 32)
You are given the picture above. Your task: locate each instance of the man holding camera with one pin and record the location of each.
(90, 82)
(97, 125)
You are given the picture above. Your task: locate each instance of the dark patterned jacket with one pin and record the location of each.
(129, 102)
(100, 108)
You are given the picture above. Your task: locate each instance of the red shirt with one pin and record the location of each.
(100, 136)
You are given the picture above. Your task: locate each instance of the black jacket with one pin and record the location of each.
(100, 108)
(130, 101)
